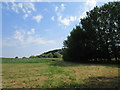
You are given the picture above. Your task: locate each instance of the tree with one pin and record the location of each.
(23, 57)
(32, 57)
(57, 55)
(50, 55)
(97, 37)
(16, 57)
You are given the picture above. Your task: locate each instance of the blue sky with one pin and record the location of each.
(31, 28)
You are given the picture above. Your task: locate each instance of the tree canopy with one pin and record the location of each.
(97, 37)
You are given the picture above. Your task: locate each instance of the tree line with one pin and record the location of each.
(50, 54)
(97, 37)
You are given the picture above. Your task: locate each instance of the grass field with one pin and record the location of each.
(55, 73)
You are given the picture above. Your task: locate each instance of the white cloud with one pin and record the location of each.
(89, 5)
(15, 8)
(68, 20)
(38, 18)
(38, 40)
(60, 8)
(25, 38)
(25, 16)
(53, 18)
(31, 32)
(19, 36)
(20, 5)
(56, 8)
(26, 8)
(29, 6)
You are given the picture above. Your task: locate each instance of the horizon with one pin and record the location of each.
(32, 28)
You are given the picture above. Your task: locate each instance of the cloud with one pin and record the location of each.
(9, 42)
(53, 18)
(19, 36)
(56, 8)
(25, 38)
(25, 16)
(15, 7)
(31, 32)
(38, 18)
(68, 20)
(89, 5)
(25, 7)
(60, 8)
(38, 40)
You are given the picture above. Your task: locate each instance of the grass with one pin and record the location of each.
(55, 73)
(28, 60)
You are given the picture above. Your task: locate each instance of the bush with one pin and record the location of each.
(32, 57)
(16, 57)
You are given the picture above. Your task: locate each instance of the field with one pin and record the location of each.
(55, 73)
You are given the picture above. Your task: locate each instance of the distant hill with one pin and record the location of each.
(57, 53)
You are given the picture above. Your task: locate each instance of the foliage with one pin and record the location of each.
(57, 55)
(23, 57)
(16, 57)
(51, 54)
(97, 37)
(32, 57)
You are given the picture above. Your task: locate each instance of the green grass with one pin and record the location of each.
(28, 60)
(55, 73)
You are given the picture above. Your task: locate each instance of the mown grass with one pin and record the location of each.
(55, 73)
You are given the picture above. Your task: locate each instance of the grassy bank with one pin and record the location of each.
(55, 73)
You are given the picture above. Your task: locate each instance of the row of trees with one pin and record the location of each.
(50, 54)
(97, 38)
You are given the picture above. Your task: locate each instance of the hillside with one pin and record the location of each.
(57, 53)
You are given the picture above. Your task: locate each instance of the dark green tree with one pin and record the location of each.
(97, 37)
(16, 57)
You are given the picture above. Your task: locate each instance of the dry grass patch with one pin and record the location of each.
(59, 74)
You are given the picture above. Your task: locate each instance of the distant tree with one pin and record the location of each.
(57, 55)
(32, 57)
(16, 57)
(50, 55)
(23, 57)
(44, 55)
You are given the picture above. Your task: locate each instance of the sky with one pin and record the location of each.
(32, 28)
